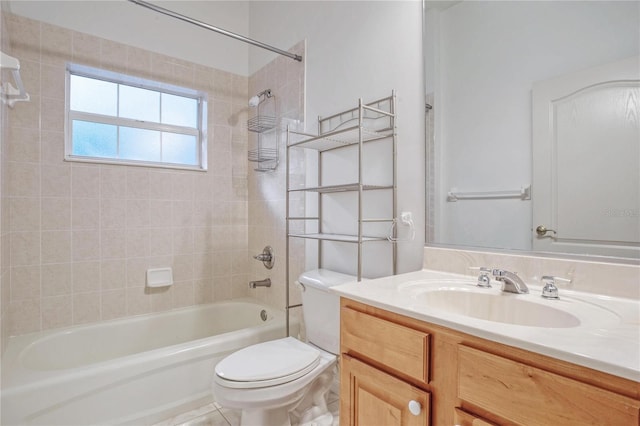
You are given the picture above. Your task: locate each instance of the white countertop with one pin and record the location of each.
(611, 345)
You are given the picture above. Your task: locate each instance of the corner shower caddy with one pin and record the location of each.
(264, 125)
(355, 127)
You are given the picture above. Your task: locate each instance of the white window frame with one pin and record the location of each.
(99, 74)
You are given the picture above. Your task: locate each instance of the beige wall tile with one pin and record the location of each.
(24, 316)
(85, 245)
(24, 145)
(138, 302)
(203, 291)
(113, 182)
(56, 44)
(56, 246)
(25, 248)
(85, 213)
(86, 276)
(56, 279)
(183, 294)
(113, 243)
(56, 181)
(160, 241)
(137, 183)
(160, 185)
(86, 49)
(136, 271)
(183, 241)
(202, 266)
(25, 214)
(182, 214)
(25, 282)
(55, 213)
(57, 312)
(113, 213)
(160, 213)
(52, 147)
(85, 181)
(86, 307)
(113, 274)
(113, 55)
(52, 81)
(182, 268)
(137, 213)
(52, 114)
(114, 304)
(137, 242)
(24, 179)
(25, 37)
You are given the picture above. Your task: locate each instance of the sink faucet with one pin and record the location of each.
(511, 282)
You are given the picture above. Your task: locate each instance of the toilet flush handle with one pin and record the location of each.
(414, 407)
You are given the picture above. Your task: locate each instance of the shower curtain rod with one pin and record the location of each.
(216, 29)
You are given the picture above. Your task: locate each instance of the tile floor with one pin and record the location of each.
(215, 415)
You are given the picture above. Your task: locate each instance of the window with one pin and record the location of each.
(115, 118)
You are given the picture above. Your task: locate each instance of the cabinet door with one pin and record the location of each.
(372, 397)
(462, 418)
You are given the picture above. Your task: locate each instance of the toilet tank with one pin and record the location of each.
(321, 308)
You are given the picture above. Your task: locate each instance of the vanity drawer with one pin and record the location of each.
(395, 346)
(530, 396)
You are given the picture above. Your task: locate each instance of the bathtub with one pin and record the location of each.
(136, 370)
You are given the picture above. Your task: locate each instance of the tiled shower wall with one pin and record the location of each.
(4, 206)
(267, 190)
(82, 235)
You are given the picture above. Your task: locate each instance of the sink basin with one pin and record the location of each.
(463, 298)
(500, 307)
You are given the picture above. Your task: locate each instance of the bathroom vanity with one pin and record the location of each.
(405, 363)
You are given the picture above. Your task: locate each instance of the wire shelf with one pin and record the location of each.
(261, 123)
(264, 154)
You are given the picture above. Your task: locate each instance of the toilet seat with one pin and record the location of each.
(267, 364)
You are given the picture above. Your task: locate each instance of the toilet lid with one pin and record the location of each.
(267, 364)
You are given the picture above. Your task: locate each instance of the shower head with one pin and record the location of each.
(255, 101)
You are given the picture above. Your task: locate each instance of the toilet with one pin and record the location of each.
(286, 381)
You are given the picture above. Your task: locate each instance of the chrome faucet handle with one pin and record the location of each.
(550, 291)
(266, 257)
(484, 280)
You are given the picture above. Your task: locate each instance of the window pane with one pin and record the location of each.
(139, 104)
(179, 111)
(95, 96)
(180, 149)
(94, 139)
(139, 144)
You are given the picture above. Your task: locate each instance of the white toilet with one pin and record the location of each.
(286, 381)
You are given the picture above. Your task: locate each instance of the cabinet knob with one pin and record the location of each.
(414, 407)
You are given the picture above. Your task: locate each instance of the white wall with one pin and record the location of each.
(490, 53)
(128, 23)
(360, 49)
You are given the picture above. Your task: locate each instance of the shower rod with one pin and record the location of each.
(216, 29)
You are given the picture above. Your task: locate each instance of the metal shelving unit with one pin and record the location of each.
(368, 122)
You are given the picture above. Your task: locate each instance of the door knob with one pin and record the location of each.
(542, 230)
(414, 407)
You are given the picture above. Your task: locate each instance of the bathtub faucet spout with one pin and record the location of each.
(263, 283)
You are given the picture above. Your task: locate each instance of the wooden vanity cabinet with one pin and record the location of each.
(388, 360)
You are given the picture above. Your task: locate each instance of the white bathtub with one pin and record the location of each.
(137, 370)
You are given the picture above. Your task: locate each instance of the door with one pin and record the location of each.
(586, 161)
(372, 397)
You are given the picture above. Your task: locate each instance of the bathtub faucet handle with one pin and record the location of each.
(266, 257)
